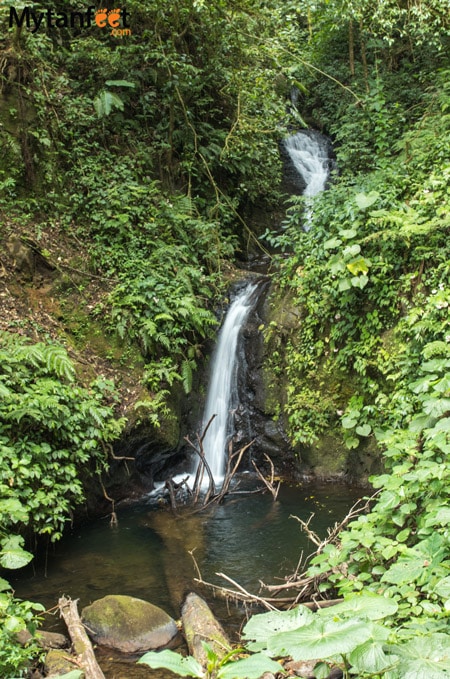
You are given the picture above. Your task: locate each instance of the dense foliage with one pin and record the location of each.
(53, 432)
(372, 280)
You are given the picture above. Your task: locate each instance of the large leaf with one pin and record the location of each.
(252, 667)
(332, 243)
(4, 585)
(367, 605)
(321, 639)
(425, 658)
(12, 555)
(365, 200)
(264, 625)
(442, 588)
(14, 509)
(168, 660)
(370, 656)
(358, 265)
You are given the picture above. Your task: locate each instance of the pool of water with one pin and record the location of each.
(148, 554)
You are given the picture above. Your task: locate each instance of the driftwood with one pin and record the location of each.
(197, 497)
(270, 485)
(200, 626)
(85, 657)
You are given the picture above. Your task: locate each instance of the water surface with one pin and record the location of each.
(249, 538)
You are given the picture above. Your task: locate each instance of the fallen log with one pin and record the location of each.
(85, 656)
(200, 625)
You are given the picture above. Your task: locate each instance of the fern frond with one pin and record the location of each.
(57, 361)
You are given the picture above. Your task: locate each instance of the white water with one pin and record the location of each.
(309, 153)
(222, 396)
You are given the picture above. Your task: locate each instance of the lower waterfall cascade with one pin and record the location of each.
(222, 396)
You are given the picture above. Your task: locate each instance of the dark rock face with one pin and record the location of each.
(128, 624)
(252, 419)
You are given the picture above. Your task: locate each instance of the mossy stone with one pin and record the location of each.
(128, 624)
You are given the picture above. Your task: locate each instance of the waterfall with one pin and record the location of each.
(309, 152)
(222, 396)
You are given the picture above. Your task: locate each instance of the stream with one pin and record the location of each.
(248, 537)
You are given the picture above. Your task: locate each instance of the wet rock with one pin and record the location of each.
(128, 624)
(58, 663)
(46, 640)
(305, 669)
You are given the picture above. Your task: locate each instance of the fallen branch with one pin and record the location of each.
(200, 627)
(85, 656)
(113, 520)
(269, 484)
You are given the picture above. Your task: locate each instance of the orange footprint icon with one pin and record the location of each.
(103, 16)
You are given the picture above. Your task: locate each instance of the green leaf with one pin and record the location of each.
(185, 667)
(105, 102)
(4, 585)
(332, 243)
(120, 83)
(264, 625)
(369, 657)
(442, 588)
(358, 265)
(364, 430)
(359, 281)
(352, 250)
(12, 555)
(348, 422)
(347, 233)
(365, 200)
(404, 571)
(425, 657)
(252, 667)
(344, 284)
(321, 670)
(366, 605)
(14, 624)
(351, 442)
(321, 639)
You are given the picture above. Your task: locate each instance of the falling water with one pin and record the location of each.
(222, 396)
(309, 152)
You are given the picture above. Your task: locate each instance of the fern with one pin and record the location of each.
(58, 362)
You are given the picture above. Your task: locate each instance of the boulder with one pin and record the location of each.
(128, 624)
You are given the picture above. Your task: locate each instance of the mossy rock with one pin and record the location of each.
(128, 624)
(58, 663)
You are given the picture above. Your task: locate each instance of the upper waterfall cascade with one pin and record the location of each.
(309, 152)
(222, 397)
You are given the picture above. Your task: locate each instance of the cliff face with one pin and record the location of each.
(313, 444)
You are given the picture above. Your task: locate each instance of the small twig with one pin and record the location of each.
(113, 520)
(253, 597)
(269, 484)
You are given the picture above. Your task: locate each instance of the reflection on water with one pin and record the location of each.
(249, 538)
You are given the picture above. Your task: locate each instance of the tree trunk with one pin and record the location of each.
(80, 640)
(351, 48)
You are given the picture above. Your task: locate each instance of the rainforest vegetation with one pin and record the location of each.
(132, 164)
